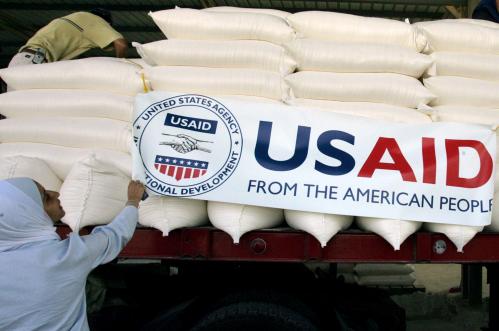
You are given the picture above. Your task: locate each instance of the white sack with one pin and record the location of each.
(217, 81)
(380, 269)
(169, 213)
(386, 280)
(463, 91)
(79, 103)
(68, 131)
(183, 23)
(322, 226)
(395, 232)
(237, 219)
(248, 98)
(319, 55)
(460, 235)
(93, 193)
(488, 24)
(61, 159)
(249, 54)
(478, 66)
(356, 29)
(36, 169)
(447, 35)
(379, 111)
(392, 89)
(102, 74)
(227, 9)
(345, 268)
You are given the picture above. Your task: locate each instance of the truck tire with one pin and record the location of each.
(250, 316)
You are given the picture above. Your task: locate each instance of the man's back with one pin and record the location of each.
(69, 36)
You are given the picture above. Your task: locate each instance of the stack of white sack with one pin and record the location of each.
(74, 117)
(465, 80)
(225, 52)
(227, 9)
(384, 275)
(362, 67)
(220, 52)
(346, 272)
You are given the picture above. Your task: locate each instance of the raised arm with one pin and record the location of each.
(121, 47)
(106, 242)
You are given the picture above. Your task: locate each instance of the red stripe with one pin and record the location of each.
(179, 173)
(162, 169)
(196, 173)
(188, 172)
(203, 172)
(171, 171)
(156, 165)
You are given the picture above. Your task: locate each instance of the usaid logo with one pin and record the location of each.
(189, 144)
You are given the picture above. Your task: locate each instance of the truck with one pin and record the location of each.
(214, 284)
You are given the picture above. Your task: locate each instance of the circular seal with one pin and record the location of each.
(189, 144)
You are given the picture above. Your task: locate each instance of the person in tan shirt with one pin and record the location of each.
(67, 37)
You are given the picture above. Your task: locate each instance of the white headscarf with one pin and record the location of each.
(22, 217)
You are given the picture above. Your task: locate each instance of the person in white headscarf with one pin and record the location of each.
(42, 278)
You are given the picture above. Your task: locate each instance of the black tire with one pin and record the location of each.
(251, 316)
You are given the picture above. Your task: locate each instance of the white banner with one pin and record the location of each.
(313, 160)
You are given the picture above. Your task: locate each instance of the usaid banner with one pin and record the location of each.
(286, 157)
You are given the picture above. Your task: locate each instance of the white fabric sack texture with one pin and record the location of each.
(462, 91)
(249, 54)
(394, 89)
(356, 29)
(380, 269)
(386, 280)
(237, 219)
(452, 36)
(379, 111)
(61, 159)
(182, 23)
(169, 213)
(75, 103)
(228, 9)
(333, 56)
(322, 226)
(217, 81)
(83, 132)
(248, 98)
(395, 232)
(93, 193)
(36, 169)
(102, 74)
(488, 24)
(470, 65)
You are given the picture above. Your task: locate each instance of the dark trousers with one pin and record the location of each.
(483, 14)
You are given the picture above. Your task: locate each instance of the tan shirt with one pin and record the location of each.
(69, 36)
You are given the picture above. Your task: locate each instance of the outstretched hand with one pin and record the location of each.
(135, 193)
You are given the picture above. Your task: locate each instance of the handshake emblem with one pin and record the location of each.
(183, 143)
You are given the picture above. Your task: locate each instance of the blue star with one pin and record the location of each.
(174, 161)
